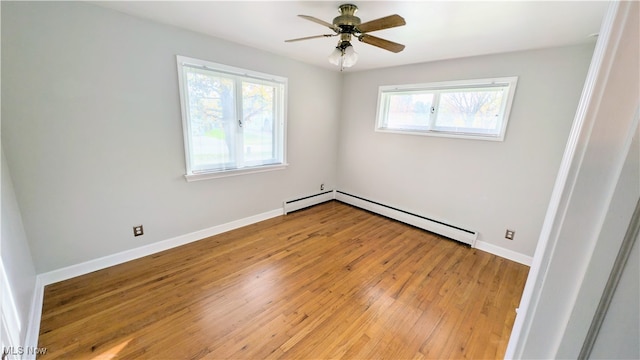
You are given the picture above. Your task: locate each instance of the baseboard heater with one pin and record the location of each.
(305, 202)
(434, 226)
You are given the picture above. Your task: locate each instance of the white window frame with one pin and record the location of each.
(237, 74)
(437, 88)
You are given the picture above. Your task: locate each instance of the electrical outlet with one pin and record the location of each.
(138, 230)
(509, 234)
(321, 187)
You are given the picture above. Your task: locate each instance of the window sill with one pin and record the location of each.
(457, 135)
(228, 173)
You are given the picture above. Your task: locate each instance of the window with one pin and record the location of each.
(233, 119)
(477, 109)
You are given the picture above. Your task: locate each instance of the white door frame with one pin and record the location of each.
(541, 323)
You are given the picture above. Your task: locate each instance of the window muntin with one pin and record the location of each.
(468, 109)
(233, 119)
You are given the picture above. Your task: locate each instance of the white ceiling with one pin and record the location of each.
(435, 30)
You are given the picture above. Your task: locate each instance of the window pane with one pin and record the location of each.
(476, 111)
(212, 119)
(258, 123)
(470, 109)
(409, 111)
(233, 119)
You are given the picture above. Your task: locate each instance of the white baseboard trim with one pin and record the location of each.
(505, 253)
(86, 267)
(128, 255)
(449, 231)
(307, 201)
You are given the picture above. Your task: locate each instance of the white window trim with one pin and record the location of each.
(511, 82)
(195, 175)
(236, 172)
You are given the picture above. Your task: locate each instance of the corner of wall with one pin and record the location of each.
(17, 270)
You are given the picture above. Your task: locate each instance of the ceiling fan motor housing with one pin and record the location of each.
(347, 21)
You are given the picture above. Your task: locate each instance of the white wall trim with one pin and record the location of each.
(132, 254)
(565, 182)
(10, 320)
(504, 253)
(86, 267)
(407, 218)
(35, 315)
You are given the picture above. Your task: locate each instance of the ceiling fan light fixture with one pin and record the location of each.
(343, 55)
(336, 56)
(349, 57)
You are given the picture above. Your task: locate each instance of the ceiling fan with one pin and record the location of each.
(347, 25)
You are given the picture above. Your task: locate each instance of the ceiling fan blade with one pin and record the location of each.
(310, 37)
(382, 23)
(381, 43)
(321, 22)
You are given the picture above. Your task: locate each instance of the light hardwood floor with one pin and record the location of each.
(331, 281)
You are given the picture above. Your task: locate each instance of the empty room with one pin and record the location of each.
(320, 179)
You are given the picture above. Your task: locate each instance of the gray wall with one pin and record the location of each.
(16, 258)
(93, 138)
(92, 131)
(480, 185)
